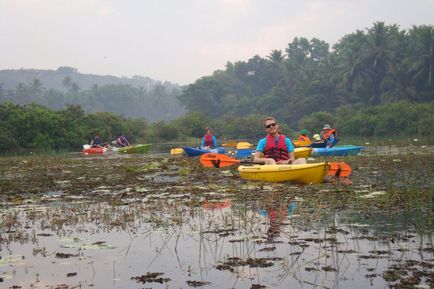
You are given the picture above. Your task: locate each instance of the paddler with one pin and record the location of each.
(275, 148)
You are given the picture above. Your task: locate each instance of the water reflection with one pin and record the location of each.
(223, 243)
(277, 215)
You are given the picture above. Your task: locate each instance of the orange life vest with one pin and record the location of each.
(328, 132)
(303, 138)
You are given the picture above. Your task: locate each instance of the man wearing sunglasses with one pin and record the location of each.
(275, 148)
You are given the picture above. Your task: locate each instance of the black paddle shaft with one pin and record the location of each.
(216, 163)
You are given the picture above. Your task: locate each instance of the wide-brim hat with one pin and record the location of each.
(326, 126)
(316, 137)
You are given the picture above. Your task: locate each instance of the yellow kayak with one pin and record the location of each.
(298, 143)
(305, 174)
(302, 152)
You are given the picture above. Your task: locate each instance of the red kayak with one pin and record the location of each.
(94, 151)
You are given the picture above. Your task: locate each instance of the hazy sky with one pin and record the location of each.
(179, 40)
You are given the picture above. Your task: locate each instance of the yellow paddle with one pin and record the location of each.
(244, 145)
(176, 151)
(232, 143)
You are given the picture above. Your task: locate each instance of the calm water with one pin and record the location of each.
(216, 230)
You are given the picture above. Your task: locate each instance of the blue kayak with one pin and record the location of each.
(244, 153)
(347, 150)
(193, 152)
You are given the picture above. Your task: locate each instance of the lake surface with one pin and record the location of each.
(162, 221)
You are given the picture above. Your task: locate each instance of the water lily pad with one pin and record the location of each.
(152, 166)
(82, 244)
(6, 277)
(373, 194)
(11, 260)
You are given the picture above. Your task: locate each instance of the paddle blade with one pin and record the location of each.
(333, 169)
(176, 151)
(339, 169)
(213, 160)
(230, 144)
(345, 170)
(244, 145)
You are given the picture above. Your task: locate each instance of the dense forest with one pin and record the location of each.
(35, 126)
(364, 69)
(131, 97)
(377, 82)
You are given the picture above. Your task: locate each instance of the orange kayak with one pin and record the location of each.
(94, 151)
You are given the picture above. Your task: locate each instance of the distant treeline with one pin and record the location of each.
(368, 68)
(35, 126)
(153, 101)
(377, 82)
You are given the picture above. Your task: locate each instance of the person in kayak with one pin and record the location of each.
(275, 148)
(122, 141)
(96, 142)
(328, 135)
(317, 142)
(209, 141)
(303, 136)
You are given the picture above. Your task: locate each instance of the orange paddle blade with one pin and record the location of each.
(339, 169)
(213, 160)
(333, 169)
(345, 170)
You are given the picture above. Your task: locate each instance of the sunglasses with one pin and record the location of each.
(270, 125)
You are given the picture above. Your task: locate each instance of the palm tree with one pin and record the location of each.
(352, 70)
(421, 55)
(276, 56)
(380, 40)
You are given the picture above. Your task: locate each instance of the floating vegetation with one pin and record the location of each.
(197, 283)
(151, 278)
(103, 222)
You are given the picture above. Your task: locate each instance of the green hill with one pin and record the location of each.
(136, 97)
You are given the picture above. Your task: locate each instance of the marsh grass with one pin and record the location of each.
(377, 222)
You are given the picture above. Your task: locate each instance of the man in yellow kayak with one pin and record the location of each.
(275, 148)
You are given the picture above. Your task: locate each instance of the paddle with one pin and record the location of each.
(244, 145)
(213, 160)
(232, 143)
(87, 146)
(339, 169)
(176, 151)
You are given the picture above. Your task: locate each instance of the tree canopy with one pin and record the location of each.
(366, 68)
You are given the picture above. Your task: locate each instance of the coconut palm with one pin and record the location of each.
(276, 56)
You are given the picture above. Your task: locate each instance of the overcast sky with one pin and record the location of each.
(179, 40)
